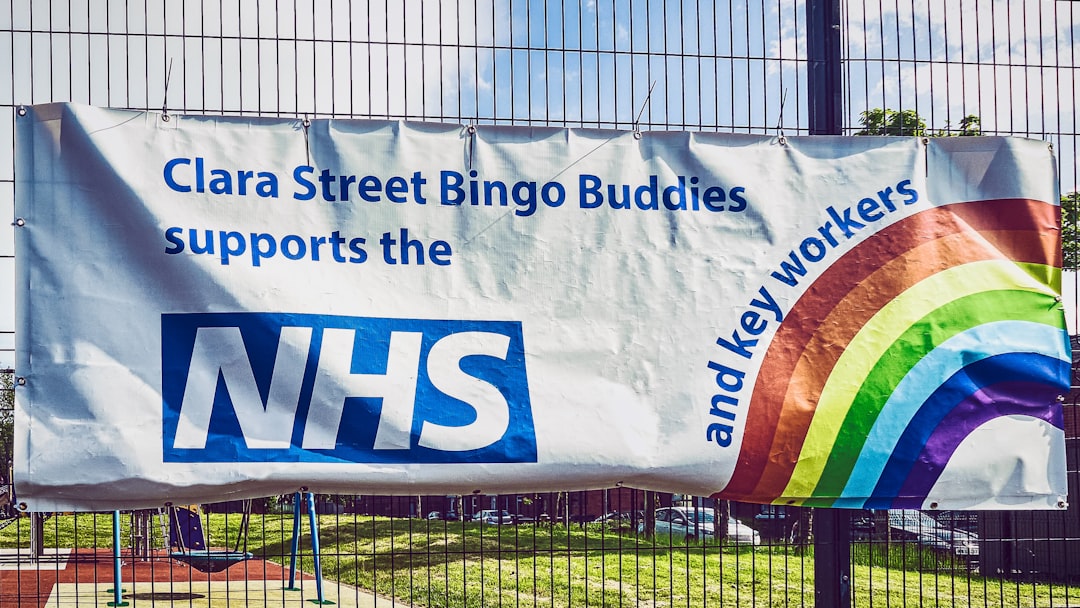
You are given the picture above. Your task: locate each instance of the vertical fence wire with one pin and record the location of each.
(691, 65)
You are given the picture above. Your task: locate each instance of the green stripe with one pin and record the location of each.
(919, 339)
(888, 324)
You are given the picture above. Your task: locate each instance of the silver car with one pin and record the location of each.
(688, 522)
(915, 526)
(493, 516)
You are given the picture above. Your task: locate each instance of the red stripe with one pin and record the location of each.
(828, 315)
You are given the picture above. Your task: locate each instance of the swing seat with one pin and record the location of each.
(186, 533)
(210, 560)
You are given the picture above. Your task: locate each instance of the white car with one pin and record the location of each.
(963, 544)
(493, 516)
(688, 522)
(918, 527)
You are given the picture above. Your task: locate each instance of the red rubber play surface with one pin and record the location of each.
(29, 585)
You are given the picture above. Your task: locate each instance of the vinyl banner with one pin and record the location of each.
(213, 307)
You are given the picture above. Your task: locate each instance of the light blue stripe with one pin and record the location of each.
(931, 372)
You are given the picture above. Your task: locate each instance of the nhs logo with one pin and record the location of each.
(270, 387)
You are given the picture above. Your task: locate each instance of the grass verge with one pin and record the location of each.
(456, 565)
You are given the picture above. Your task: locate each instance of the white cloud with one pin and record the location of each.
(437, 58)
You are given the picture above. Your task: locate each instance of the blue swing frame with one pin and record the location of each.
(185, 532)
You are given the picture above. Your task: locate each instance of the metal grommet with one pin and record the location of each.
(21, 381)
(1050, 146)
(933, 505)
(637, 134)
(306, 122)
(925, 140)
(23, 506)
(165, 118)
(782, 140)
(21, 111)
(471, 129)
(20, 222)
(1061, 504)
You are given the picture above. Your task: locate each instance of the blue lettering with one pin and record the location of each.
(173, 236)
(170, 180)
(737, 198)
(309, 187)
(450, 190)
(911, 195)
(384, 390)
(589, 191)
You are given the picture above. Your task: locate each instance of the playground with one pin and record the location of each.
(569, 264)
(191, 570)
(83, 577)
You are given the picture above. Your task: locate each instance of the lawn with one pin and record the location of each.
(453, 564)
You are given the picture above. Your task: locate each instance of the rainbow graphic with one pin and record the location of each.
(925, 331)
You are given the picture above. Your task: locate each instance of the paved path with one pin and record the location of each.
(204, 594)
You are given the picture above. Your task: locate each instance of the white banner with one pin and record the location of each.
(213, 307)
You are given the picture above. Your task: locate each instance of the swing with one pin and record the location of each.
(185, 532)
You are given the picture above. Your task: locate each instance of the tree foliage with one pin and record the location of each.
(1070, 233)
(7, 423)
(7, 391)
(886, 121)
(970, 126)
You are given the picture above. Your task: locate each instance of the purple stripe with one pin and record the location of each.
(1004, 399)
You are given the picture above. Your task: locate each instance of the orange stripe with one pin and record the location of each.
(796, 366)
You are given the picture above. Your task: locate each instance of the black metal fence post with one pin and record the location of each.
(832, 558)
(832, 529)
(825, 86)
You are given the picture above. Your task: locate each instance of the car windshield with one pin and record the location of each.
(953, 535)
(911, 520)
(704, 516)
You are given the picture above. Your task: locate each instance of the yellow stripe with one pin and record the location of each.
(881, 331)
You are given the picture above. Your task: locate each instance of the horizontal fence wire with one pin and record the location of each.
(377, 549)
(956, 67)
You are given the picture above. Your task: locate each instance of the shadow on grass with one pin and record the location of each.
(383, 543)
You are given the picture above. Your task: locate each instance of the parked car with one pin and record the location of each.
(778, 522)
(742, 533)
(958, 542)
(687, 522)
(448, 516)
(774, 522)
(620, 520)
(613, 516)
(493, 516)
(965, 521)
(530, 519)
(917, 527)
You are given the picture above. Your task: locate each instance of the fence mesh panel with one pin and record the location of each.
(946, 67)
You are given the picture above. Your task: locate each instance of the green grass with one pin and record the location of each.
(442, 564)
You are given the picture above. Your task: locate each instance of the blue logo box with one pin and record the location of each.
(277, 387)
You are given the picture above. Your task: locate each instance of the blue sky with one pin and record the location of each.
(545, 62)
(712, 66)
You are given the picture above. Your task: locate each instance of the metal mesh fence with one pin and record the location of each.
(937, 68)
